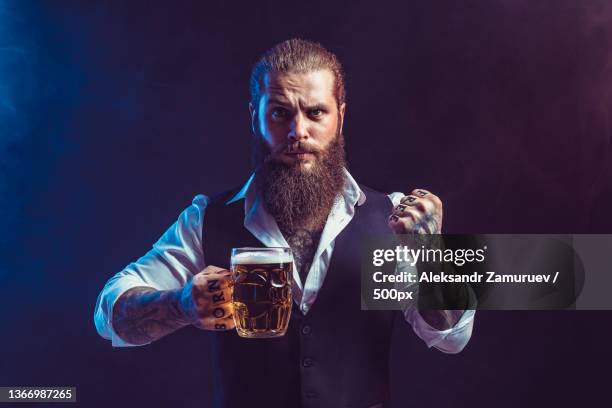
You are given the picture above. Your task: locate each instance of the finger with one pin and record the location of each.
(225, 278)
(420, 192)
(212, 282)
(222, 298)
(218, 311)
(205, 300)
(408, 199)
(211, 269)
(425, 194)
(411, 215)
(211, 323)
(423, 205)
(400, 226)
(406, 222)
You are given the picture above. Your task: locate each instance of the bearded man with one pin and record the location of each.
(299, 196)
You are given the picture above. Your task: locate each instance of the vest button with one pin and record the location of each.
(306, 330)
(307, 362)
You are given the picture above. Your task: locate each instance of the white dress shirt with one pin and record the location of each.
(178, 255)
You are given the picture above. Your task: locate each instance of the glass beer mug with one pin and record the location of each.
(262, 281)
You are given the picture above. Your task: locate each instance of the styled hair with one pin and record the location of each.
(297, 56)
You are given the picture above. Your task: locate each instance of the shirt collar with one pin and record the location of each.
(352, 193)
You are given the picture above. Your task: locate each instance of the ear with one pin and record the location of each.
(253, 114)
(341, 111)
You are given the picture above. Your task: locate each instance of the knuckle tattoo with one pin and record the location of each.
(213, 285)
(409, 199)
(218, 312)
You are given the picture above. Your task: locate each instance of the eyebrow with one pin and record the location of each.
(283, 102)
(320, 106)
(278, 101)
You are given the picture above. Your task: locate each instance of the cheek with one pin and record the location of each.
(327, 133)
(270, 133)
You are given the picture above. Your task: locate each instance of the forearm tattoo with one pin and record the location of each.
(142, 314)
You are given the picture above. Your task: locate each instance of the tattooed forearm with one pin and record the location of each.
(142, 314)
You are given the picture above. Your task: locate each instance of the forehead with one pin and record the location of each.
(311, 87)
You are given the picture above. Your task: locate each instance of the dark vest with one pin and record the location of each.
(335, 356)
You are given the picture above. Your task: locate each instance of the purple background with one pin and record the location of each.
(113, 116)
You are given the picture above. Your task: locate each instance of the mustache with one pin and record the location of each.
(293, 147)
(268, 155)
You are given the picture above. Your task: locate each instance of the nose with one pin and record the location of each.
(298, 130)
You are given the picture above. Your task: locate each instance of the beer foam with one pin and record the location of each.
(257, 257)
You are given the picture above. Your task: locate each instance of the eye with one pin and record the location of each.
(279, 113)
(316, 112)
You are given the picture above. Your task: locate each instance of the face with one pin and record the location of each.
(298, 117)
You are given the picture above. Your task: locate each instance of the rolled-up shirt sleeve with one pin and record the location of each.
(452, 340)
(171, 262)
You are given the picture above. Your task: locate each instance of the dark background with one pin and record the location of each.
(113, 115)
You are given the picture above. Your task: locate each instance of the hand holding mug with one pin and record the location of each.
(207, 299)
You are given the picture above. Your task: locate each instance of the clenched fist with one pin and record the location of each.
(420, 212)
(207, 299)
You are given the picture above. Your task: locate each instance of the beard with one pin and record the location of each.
(298, 198)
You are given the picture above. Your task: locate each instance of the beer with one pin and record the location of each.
(262, 280)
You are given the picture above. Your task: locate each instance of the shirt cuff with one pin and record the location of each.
(104, 309)
(451, 340)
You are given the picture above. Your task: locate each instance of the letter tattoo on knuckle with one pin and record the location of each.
(218, 312)
(213, 285)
